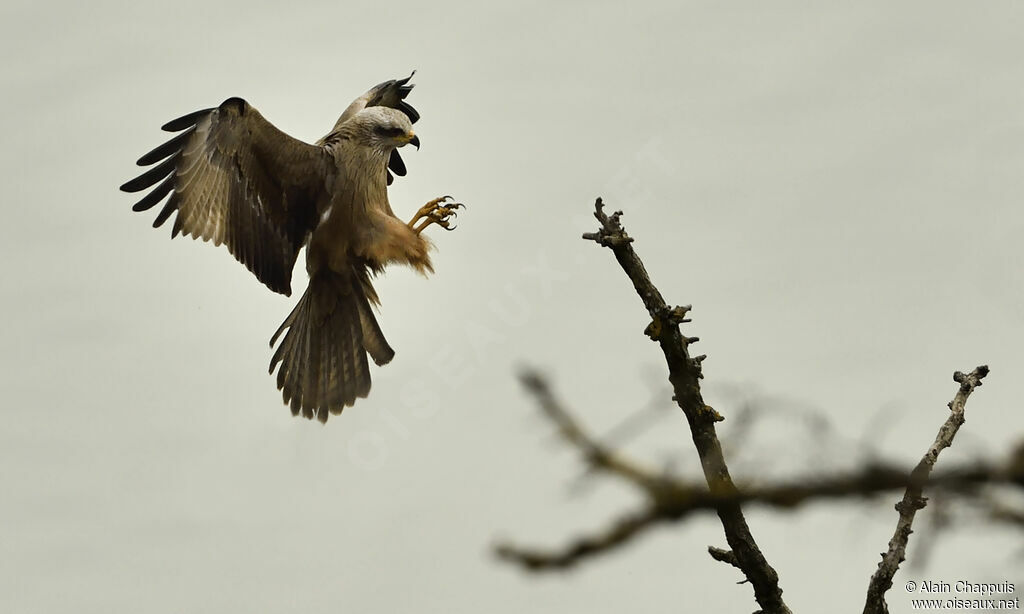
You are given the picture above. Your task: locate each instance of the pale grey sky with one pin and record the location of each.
(835, 188)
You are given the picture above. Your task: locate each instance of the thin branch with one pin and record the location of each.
(881, 580)
(620, 532)
(685, 375)
(595, 453)
(1003, 513)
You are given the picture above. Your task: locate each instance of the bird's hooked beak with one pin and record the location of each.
(415, 140)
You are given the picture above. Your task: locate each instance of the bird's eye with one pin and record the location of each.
(390, 131)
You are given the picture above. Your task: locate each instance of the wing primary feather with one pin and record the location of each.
(155, 196)
(169, 207)
(410, 112)
(177, 225)
(185, 121)
(396, 164)
(150, 177)
(170, 147)
(406, 80)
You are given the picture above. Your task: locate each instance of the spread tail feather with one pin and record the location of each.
(323, 366)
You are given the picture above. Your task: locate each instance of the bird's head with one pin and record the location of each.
(385, 127)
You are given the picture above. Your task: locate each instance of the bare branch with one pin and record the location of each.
(593, 451)
(672, 498)
(619, 533)
(881, 580)
(685, 375)
(679, 500)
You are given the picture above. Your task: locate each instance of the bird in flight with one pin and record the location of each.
(235, 179)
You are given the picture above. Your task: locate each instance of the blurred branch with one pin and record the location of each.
(881, 580)
(617, 534)
(1006, 514)
(672, 498)
(595, 454)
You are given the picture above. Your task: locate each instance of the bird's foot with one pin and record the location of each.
(439, 211)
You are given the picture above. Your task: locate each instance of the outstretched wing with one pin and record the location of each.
(235, 179)
(388, 94)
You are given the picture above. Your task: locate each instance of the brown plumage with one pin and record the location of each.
(233, 178)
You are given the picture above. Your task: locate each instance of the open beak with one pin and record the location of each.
(415, 140)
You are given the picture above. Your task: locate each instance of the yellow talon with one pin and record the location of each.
(438, 211)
